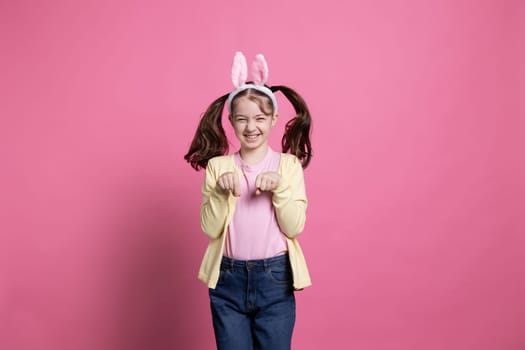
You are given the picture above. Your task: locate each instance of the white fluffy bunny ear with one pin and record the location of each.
(259, 70)
(239, 70)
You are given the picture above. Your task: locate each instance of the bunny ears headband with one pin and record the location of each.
(259, 76)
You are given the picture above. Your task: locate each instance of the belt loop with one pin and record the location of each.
(265, 264)
(232, 262)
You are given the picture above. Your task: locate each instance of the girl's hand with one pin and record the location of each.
(230, 182)
(267, 182)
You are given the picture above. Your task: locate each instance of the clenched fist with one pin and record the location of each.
(266, 182)
(230, 182)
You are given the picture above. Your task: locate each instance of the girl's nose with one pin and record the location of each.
(250, 125)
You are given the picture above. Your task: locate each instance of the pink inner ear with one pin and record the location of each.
(259, 70)
(239, 70)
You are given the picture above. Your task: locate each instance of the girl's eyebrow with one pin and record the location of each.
(255, 116)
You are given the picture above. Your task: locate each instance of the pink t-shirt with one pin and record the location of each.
(254, 232)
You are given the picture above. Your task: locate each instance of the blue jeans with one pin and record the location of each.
(253, 305)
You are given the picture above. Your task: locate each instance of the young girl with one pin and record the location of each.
(253, 207)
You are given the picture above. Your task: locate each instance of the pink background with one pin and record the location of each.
(415, 235)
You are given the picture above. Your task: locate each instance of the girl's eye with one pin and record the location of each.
(261, 119)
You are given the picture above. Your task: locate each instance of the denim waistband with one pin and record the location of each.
(262, 263)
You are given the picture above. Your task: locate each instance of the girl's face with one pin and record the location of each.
(251, 125)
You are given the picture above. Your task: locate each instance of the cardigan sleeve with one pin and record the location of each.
(289, 198)
(214, 206)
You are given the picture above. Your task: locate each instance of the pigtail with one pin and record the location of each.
(209, 140)
(296, 138)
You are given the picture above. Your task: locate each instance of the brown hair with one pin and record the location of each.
(262, 100)
(210, 140)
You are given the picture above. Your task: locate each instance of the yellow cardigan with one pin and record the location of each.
(217, 208)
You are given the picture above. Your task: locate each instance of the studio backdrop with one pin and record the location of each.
(415, 231)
